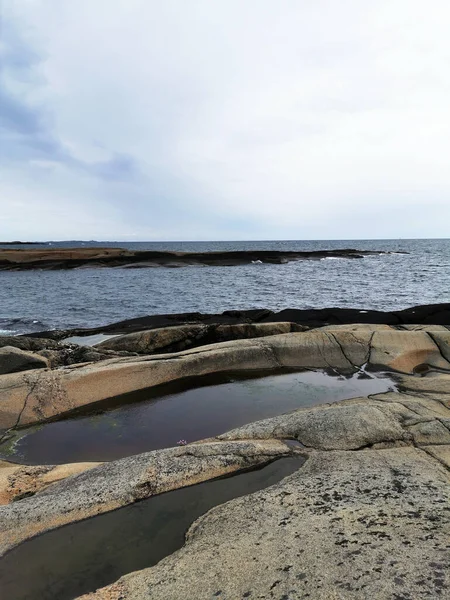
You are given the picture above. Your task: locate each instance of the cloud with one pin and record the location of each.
(226, 120)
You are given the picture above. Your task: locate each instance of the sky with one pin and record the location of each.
(224, 119)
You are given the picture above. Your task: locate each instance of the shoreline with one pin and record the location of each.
(426, 314)
(72, 258)
(367, 458)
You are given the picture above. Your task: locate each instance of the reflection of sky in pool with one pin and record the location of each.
(219, 404)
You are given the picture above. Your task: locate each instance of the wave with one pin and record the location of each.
(17, 325)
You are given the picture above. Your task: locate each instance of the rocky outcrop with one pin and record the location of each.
(365, 517)
(36, 396)
(348, 525)
(389, 418)
(18, 481)
(71, 258)
(45, 352)
(370, 501)
(111, 485)
(182, 337)
(13, 360)
(386, 420)
(432, 314)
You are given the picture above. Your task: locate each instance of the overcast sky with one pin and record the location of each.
(224, 119)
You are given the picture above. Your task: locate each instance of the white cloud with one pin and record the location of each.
(233, 119)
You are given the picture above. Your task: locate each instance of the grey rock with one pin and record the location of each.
(13, 360)
(347, 526)
(111, 485)
(339, 426)
(182, 337)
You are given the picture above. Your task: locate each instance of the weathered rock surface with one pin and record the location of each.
(367, 516)
(55, 354)
(182, 337)
(36, 396)
(18, 481)
(348, 525)
(111, 485)
(13, 360)
(389, 420)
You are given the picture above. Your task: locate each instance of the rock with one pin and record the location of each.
(422, 406)
(442, 340)
(58, 354)
(111, 485)
(182, 337)
(347, 525)
(388, 418)
(17, 481)
(441, 453)
(435, 385)
(70, 258)
(389, 350)
(330, 427)
(52, 393)
(322, 349)
(166, 339)
(415, 317)
(366, 515)
(31, 344)
(13, 360)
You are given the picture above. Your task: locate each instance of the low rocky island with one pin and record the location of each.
(349, 498)
(72, 258)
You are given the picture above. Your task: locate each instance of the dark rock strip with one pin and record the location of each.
(71, 258)
(430, 314)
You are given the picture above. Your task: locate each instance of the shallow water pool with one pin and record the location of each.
(164, 416)
(81, 557)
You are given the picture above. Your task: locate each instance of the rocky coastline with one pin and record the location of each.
(73, 258)
(430, 314)
(366, 513)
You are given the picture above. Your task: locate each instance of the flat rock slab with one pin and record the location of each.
(348, 525)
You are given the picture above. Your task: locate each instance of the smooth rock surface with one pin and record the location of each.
(367, 516)
(36, 396)
(111, 485)
(348, 525)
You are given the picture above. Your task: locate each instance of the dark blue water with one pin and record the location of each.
(37, 300)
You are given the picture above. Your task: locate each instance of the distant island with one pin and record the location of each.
(18, 243)
(71, 258)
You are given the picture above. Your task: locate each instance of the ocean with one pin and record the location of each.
(33, 301)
